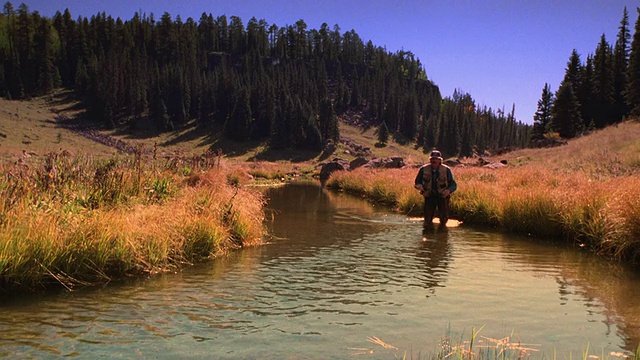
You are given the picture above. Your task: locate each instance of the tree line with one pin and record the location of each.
(602, 91)
(283, 85)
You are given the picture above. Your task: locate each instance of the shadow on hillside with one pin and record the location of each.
(192, 133)
(401, 139)
(143, 129)
(64, 100)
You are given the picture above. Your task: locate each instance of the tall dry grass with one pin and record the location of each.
(586, 192)
(73, 221)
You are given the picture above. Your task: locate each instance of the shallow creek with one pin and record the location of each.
(337, 274)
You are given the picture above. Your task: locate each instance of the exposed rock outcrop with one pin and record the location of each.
(330, 167)
(357, 162)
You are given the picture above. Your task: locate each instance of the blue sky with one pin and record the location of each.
(501, 52)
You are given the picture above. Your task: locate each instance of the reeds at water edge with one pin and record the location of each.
(80, 220)
(595, 206)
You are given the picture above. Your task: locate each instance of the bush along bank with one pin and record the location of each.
(601, 214)
(69, 221)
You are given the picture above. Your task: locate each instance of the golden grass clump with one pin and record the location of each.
(475, 201)
(622, 229)
(381, 186)
(94, 221)
(354, 182)
(268, 170)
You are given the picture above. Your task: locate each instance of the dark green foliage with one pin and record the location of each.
(383, 133)
(285, 85)
(619, 66)
(603, 90)
(542, 118)
(632, 95)
(585, 93)
(313, 138)
(409, 119)
(237, 125)
(566, 117)
(573, 72)
(328, 121)
(449, 138)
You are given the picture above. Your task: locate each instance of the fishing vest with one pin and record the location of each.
(442, 182)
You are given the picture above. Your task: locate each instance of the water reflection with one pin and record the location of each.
(603, 287)
(435, 254)
(315, 217)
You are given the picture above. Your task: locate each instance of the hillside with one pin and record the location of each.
(31, 126)
(612, 151)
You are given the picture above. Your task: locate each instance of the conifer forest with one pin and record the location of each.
(286, 85)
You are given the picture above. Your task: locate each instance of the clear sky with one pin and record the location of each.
(502, 52)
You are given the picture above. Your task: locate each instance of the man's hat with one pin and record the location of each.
(435, 154)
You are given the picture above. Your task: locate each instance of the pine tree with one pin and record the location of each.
(15, 85)
(328, 121)
(603, 90)
(565, 113)
(383, 133)
(313, 139)
(266, 115)
(8, 9)
(574, 76)
(43, 42)
(158, 112)
(280, 135)
(239, 122)
(620, 64)
(573, 72)
(542, 117)
(409, 120)
(585, 93)
(632, 95)
(107, 115)
(3, 86)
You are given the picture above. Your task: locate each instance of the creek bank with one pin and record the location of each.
(340, 164)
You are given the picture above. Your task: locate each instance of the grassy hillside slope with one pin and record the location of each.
(31, 126)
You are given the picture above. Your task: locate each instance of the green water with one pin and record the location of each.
(337, 273)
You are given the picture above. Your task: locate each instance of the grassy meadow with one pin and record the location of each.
(585, 192)
(84, 220)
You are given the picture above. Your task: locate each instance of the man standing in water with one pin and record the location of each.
(435, 182)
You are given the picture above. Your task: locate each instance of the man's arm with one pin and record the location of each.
(453, 186)
(419, 178)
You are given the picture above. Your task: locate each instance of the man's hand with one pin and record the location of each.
(446, 193)
(419, 187)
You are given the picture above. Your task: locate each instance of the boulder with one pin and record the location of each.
(357, 162)
(330, 167)
(495, 165)
(451, 162)
(394, 162)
